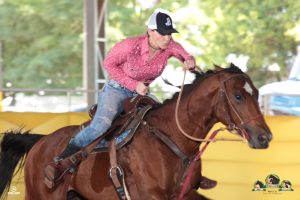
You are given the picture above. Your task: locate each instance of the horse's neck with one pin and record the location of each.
(196, 123)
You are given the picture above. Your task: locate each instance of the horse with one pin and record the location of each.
(152, 170)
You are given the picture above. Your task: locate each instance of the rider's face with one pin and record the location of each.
(158, 40)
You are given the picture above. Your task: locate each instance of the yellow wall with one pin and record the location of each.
(42, 123)
(1, 96)
(233, 164)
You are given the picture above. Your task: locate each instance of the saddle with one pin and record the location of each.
(134, 111)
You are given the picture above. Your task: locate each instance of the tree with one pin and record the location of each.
(258, 29)
(212, 30)
(43, 38)
(42, 43)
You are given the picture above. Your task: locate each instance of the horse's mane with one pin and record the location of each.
(200, 76)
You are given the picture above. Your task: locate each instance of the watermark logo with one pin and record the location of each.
(272, 184)
(13, 191)
(272, 181)
(259, 186)
(286, 185)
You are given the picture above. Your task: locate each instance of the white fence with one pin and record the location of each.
(280, 104)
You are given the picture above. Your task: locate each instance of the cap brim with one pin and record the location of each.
(167, 31)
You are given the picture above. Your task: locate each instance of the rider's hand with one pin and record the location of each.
(189, 64)
(141, 88)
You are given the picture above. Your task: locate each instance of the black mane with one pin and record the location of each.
(232, 69)
(200, 76)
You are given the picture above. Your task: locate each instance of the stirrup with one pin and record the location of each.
(53, 174)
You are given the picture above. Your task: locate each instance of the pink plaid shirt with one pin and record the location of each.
(128, 61)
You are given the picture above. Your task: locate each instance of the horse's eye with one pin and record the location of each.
(238, 97)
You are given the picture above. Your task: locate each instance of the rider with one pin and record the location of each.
(132, 64)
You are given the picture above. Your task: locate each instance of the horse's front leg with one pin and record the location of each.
(196, 181)
(200, 181)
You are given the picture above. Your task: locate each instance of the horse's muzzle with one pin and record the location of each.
(259, 138)
(263, 140)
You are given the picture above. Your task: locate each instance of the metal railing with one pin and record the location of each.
(280, 104)
(51, 100)
(44, 100)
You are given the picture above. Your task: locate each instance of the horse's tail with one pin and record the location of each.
(14, 147)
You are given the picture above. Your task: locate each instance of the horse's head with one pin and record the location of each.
(236, 106)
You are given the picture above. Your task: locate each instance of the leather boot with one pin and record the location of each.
(68, 151)
(55, 171)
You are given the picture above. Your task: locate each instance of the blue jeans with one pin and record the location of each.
(110, 105)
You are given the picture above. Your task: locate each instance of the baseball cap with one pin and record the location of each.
(161, 22)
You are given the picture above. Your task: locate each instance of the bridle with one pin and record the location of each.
(231, 126)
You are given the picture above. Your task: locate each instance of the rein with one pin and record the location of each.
(187, 180)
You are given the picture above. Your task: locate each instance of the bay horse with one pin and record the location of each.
(152, 170)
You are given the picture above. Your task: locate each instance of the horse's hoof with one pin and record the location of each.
(206, 183)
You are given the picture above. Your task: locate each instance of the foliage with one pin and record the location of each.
(43, 39)
(42, 43)
(212, 30)
(254, 28)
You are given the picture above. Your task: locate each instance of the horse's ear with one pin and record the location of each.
(217, 67)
